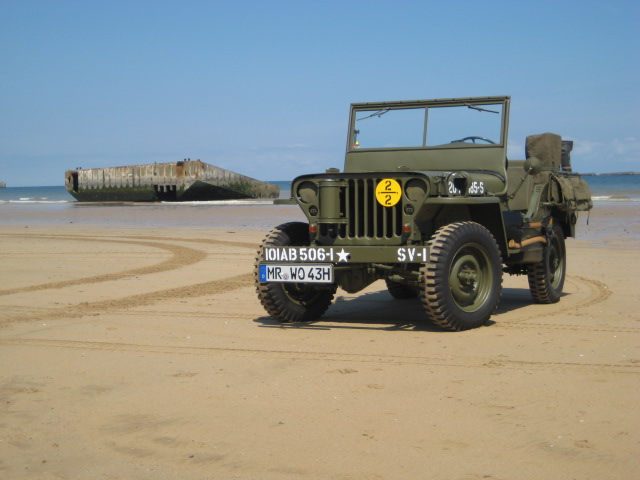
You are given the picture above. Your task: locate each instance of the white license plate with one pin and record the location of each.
(298, 273)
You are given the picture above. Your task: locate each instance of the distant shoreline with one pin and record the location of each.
(608, 174)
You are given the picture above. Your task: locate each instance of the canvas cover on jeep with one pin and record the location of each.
(570, 193)
(547, 147)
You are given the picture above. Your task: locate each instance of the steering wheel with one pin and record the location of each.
(473, 139)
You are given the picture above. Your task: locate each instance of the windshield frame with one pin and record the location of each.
(377, 109)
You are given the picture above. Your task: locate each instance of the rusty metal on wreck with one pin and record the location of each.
(190, 180)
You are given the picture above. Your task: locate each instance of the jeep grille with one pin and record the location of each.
(366, 218)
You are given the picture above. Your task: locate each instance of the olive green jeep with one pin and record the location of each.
(429, 203)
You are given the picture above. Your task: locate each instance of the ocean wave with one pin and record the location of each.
(33, 200)
(222, 202)
(614, 198)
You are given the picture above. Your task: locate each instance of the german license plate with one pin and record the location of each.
(297, 273)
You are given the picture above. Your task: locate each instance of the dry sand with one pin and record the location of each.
(143, 353)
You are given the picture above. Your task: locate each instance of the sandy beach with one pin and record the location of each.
(132, 346)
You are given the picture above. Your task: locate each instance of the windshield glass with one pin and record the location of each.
(390, 128)
(405, 127)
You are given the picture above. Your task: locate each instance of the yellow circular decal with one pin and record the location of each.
(388, 192)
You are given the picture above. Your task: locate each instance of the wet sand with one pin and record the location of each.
(132, 346)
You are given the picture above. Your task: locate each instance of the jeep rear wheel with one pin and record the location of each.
(546, 278)
(291, 302)
(401, 291)
(463, 278)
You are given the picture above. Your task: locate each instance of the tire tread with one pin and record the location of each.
(434, 295)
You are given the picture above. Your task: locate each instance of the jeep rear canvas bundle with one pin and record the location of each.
(429, 203)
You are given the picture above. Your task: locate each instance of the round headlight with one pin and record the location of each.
(416, 189)
(307, 192)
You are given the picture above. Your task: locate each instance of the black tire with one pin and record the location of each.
(291, 302)
(463, 278)
(400, 291)
(546, 278)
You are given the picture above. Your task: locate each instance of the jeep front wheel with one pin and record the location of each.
(291, 302)
(463, 278)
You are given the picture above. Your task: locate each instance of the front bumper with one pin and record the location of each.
(345, 255)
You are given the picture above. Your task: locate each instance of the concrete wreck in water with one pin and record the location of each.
(180, 181)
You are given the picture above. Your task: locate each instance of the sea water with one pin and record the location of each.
(614, 188)
(58, 195)
(34, 195)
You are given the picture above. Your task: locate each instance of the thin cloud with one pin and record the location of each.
(627, 147)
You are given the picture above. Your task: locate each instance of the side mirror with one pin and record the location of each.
(532, 166)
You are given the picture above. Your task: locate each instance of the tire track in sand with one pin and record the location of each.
(431, 361)
(180, 257)
(214, 287)
(592, 291)
(207, 241)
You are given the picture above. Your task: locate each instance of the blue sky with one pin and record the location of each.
(263, 87)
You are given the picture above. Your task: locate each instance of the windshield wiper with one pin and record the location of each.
(475, 107)
(378, 114)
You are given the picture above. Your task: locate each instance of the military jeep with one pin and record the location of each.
(428, 202)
